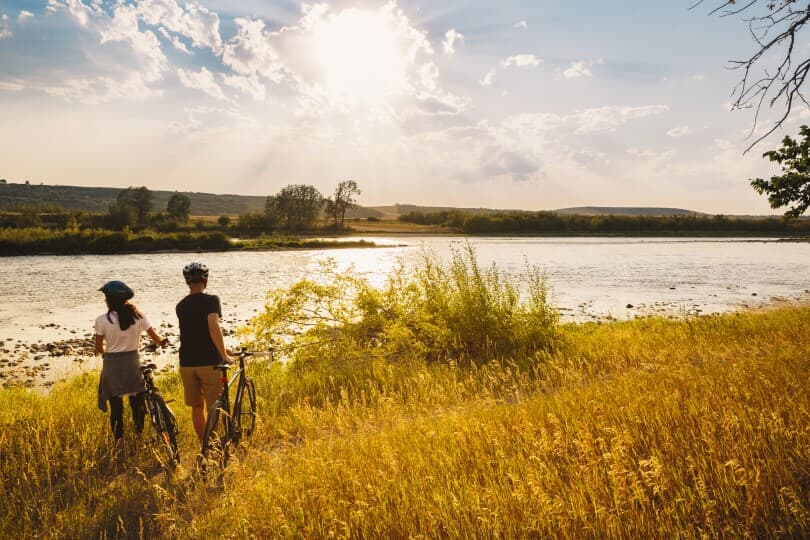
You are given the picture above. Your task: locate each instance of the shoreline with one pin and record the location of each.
(39, 365)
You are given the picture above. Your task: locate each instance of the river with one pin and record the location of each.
(51, 298)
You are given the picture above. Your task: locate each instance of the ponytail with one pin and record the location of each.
(127, 312)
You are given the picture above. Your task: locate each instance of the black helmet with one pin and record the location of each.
(195, 272)
(118, 290)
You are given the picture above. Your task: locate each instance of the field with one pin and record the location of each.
(643, 429)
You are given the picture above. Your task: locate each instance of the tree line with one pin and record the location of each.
(296, 207)
(554, 223)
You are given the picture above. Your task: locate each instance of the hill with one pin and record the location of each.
(627, 211)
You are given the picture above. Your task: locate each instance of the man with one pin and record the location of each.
(202, 345)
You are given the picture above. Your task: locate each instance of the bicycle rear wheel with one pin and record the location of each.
(217, 435)
(164, 428)
(245, 409)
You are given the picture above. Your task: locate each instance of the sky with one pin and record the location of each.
(509, 104)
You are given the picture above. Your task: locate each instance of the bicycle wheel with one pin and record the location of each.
(245, 409)
(217, 435)
(164, 428)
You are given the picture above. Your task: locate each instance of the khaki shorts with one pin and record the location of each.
(201, 382)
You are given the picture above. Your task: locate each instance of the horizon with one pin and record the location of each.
(459, 106)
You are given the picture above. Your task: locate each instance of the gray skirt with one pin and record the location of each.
(120, 375)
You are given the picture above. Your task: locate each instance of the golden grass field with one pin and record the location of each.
(652, 428)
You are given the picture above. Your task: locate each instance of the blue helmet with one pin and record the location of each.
(117, 289)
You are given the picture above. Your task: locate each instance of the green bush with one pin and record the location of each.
(442, 311)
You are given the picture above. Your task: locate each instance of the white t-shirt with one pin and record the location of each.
(118, 341)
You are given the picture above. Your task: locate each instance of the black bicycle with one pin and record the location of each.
(164, 426)
(226, 427)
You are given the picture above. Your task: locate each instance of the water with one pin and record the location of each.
(590, 278)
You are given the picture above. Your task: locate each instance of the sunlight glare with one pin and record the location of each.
(360, 56)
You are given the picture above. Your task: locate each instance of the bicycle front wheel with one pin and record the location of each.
(164, 429)
(217, 435)
(245, 409)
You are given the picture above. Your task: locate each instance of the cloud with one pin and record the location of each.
(76, 8)
(450, 40)
(250, 86)
(12, 86)
(512, 164)
(250, 52)
(192, 21)
(23, 16)
(123, 27)
(584, 121)
(521, 24)
(522, 60)
(488, 79)
(680, 131)
(202, 80)
(174, 40)
(577, 70)
(698, 77)
(5, 31)
(94, 91)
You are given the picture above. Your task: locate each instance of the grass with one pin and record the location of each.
(649, 428)
(39, 240)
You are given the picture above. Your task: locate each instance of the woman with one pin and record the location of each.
(118, 333)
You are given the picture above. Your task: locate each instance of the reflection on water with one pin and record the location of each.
(589, 277)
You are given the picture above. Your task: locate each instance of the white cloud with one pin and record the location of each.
(250, 86)
(576, 70)
(93, 91)
(584, 121)
(15, 85)
(522, 60)
(488, 79)
(123, 26)
(450, 39)
(521, 24)
(5, 31)
(251, 53)
(174, 40)
(192, 21)
(76, 8)
(680, 131)
(202, 80)
(23, 16)
(698, 77)
(512, 164)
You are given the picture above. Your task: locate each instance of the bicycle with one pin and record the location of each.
(164, 424)
(226, 427)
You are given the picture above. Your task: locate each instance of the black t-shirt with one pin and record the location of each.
(196, 347)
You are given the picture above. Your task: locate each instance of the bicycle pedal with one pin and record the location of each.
(169, 401)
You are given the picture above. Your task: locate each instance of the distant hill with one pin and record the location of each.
(627, 211)
(97, 199)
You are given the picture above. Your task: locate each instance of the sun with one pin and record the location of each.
(360, 56)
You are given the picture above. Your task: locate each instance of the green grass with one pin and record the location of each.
(649, 428)
(39, 240)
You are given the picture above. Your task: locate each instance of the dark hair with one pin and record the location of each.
(127, 313)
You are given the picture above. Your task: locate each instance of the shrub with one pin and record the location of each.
(441, 311)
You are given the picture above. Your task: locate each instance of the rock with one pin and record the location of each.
(753, 294)
(629, 306)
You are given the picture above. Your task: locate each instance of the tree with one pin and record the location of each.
(793, 185)
(179, 206)
(342, 200)
(139, 199)
(775, 73)
(119, 216)
(224, 221)
(298, 205)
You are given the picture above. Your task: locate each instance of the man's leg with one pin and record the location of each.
(198, 418)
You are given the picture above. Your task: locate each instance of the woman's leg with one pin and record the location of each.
(117, 416)
(138, 410)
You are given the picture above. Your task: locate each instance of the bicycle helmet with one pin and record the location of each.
(117, 289)
(195, 272)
